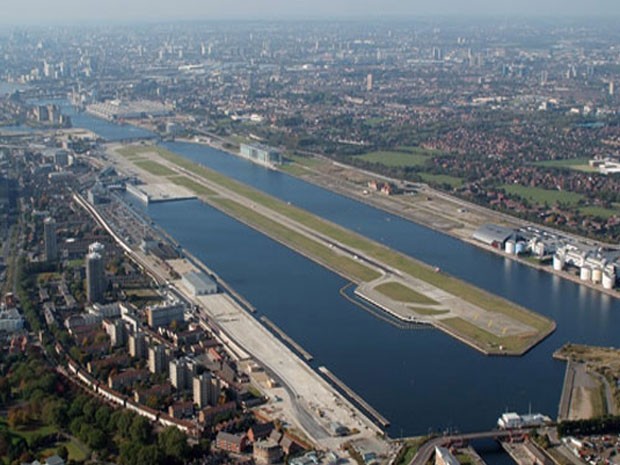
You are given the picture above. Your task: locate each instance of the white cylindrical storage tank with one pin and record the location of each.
(539, 249)
(597, 275)
(520, 248)
(585, 274)
(510, 247)
(609, 280)
(558, 262)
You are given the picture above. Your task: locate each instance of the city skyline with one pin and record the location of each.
(38, 11)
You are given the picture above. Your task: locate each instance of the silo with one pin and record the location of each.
(510, 247)
(520, 248)
(585, 273)
(609, 280)
(558, 262)
(597, 275)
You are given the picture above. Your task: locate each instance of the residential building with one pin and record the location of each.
(235, 443)
(95, 277)
(50, 239)
(157, 359)
(206, 390)
(181, 409)
(137, 345)
(267, 452)
(164, 315)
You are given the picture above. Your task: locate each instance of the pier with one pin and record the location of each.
(286, 338)
(349, 392)
(567, 391)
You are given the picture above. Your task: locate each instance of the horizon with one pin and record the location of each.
(38, 12)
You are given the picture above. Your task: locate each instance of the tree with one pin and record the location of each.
(63, 452)
(97, 439)
(102, 417)
(149, 455)
(54, 412)
(140, 430)
(173, 444)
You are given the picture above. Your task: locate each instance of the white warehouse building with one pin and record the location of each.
(199, 283)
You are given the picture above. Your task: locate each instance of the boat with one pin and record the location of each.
(512, 420)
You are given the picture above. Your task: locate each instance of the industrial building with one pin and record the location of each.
(164, 315)
(493, 235)
(261, 154)
(199, 283)
(119, 110)
(594, 265)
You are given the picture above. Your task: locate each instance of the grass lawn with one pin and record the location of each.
(47, 277)
(579, 164)
(143, 293)
(44, 430)
(401, 293)
(600, 212)
(155, 168)
(441, 179)
(535, 194)
(296, 165)
(192, 185)
(77, 263)
(464, 459)
(388, 158)
(598, 400)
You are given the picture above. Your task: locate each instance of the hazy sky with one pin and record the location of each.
(26, 11)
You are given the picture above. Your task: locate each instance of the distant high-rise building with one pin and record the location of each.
(544, 76)
(612, 91)
(369, 82)
(95, 277)
(437, 54)
(157, 359)
(49, 237)
(206, 390)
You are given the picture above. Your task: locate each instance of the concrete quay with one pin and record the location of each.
(286, 338)
(353, 395)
